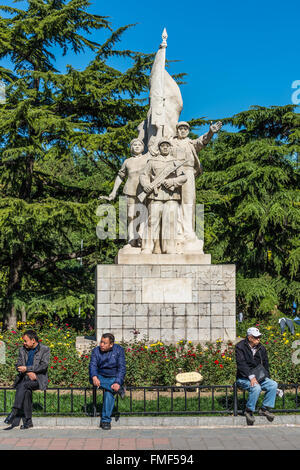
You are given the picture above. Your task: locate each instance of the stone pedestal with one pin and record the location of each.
(166, 302)
(125, 257)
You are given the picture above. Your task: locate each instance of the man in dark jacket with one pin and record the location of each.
(249, 354)
(32, 368)
(107, 370)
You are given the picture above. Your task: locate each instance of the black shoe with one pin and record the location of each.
(9, 419)
(265, 412)
(122, 392)
(12, 426)
(105, 426)
(27, 424)
(249, 417)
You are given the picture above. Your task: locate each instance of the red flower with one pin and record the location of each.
(216, 362)
(55, 358)
(221, 365)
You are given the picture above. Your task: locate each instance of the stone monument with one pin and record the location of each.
(162, 286)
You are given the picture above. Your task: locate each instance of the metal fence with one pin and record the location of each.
(155, 401)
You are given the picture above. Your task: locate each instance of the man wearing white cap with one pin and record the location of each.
(253, 375)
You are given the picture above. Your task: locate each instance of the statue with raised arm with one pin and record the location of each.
(131, 170)
(186, 149)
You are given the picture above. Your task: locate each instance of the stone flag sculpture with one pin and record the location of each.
(162, 122)
(165, 103)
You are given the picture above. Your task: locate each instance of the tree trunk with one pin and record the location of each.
(23, 314)
(14, 285)
(12, 319)
(25, 190)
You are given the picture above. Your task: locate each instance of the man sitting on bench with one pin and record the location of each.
(32, 368)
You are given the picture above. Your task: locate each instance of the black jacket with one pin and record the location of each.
(245, 360)
(39, 367)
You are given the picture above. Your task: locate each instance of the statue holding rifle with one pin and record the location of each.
(172, 156)
(161, 180)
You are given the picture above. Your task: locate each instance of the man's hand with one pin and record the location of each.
(214, 128)
(22, 369)
(112, 196)
(31, 375)
(96, 381)
(115, 387)
(168, 183)
(253, 382)
(147, 188)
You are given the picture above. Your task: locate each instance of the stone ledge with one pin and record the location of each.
(160, 259)
(164, 421)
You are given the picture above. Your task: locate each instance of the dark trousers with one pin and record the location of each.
(23, 397)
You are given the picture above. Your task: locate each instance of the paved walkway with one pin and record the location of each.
(259, 437)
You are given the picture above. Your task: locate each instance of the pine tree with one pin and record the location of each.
(62, 137)
(250, 187)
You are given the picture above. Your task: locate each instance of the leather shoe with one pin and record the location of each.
(12, 426)
(249, 417)
(27, 423)
(105, 426)
(9, 419)
(265, 412)
(26, 426)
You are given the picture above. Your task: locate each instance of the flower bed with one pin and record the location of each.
(155, 363)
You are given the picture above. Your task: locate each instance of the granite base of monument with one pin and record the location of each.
(166, 302)
(131, 257)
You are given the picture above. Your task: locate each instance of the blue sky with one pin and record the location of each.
(235, 53)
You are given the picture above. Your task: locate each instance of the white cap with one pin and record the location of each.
(253, 332)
